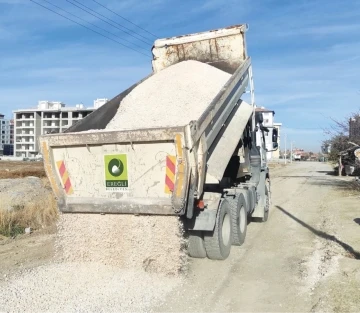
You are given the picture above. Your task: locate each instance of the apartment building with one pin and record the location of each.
(6, 132)
(48, 117)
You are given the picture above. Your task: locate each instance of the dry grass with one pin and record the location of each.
(12, 169)
(35, 215)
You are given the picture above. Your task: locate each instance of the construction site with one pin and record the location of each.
(313, 255)
(166, 199)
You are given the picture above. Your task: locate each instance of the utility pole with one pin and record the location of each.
(291, 152)
(285, 148)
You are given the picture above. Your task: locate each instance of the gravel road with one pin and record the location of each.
(293, 263)
(304, 259)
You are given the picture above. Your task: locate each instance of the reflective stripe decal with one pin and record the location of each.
(170, 174)
(65, 179)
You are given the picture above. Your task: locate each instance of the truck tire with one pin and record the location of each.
(267, 204)
(218, 242)
(196, 247)
(239, 214)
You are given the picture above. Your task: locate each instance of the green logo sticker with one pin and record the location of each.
(116, 172)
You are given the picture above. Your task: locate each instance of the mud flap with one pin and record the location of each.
(259, 208)
(205, 220)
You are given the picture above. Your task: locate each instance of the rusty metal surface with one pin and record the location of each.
(237, 27)
(224, 49)
(110, 137)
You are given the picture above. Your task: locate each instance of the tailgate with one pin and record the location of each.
(223, 48)
(134, 172)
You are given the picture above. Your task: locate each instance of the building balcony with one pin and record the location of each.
(25, 150)
(24, 119)
(51, 117)
(24, 147)
(19, 125)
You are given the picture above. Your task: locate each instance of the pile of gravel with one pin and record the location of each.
(17, 193)
(103, 263)
(74, 287)
(171, 97)
(149, 243)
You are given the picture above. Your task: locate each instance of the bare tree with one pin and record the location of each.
(339, 135)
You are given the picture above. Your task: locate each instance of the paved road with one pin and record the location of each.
(294, 262)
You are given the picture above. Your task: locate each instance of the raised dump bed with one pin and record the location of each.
(152, 170)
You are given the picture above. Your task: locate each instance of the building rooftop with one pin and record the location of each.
(58, 106)
(262, 109)
(63, 109)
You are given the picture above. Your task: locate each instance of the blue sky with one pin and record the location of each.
(305, 54)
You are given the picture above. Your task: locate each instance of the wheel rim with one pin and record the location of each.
(242, 219)
(226, 230)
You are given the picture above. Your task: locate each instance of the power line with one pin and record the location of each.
(89, 10)
(124, 18)
(89, 28)
(93, 24)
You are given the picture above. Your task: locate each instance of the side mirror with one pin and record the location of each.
(259, 118)
(275, 135)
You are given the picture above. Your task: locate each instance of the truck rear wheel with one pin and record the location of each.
(218, 242)
(196, 247)
(239, 219)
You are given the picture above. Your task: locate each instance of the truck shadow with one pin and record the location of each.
(331, 173)
(352, 253)
(357, 220)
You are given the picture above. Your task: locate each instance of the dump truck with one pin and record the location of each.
(217, 163)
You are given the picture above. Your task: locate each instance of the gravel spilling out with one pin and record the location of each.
(73, 287)
(172, 97)
(117, 263)
(150, 243)
(103, 263)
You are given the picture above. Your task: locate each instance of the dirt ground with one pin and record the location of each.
(26, 252)
(304, 259)
(14, 169)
